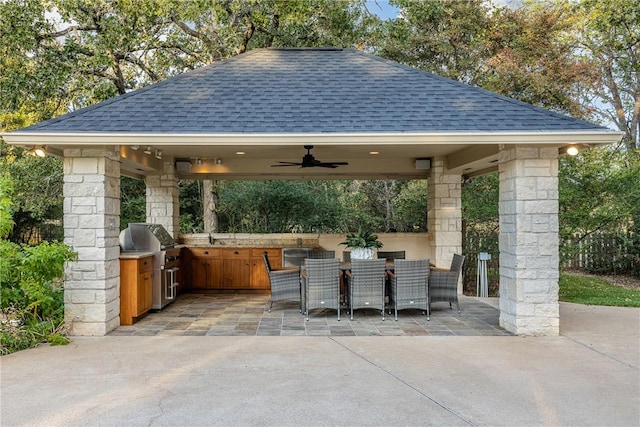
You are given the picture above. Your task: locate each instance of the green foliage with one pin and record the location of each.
(606, 33)
(31, 294)
(599, 190)
(411, 207)
(278, 206)
(191, 209)
(531, 59)
(440, 36)
(133, 201)
(593, 291)
(6, 190)
(362, 239)
(37, 189)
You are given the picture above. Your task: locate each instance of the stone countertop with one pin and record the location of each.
(243, 246)
(135, 254)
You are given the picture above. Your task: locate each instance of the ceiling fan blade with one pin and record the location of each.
(330, 164)
(286, 164)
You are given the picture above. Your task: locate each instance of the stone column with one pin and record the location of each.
(91, 227)
(444, 216)
(529, 244)
(163, 203)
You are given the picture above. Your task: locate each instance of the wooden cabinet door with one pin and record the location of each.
(214, 267)
(199, 273)
(236, 270)
(135, 288)
(145, 293)
(235, 273)
(206, 273)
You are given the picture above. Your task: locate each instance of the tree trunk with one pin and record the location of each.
(209, 204)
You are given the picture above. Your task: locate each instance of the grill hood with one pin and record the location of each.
(145, 237)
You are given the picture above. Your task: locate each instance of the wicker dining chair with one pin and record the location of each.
(390, 256)
(443, 284)
(365, 284)
(285, 283)
(321, 284)
(410, 285)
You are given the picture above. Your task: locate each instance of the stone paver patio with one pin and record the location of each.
(235, 314)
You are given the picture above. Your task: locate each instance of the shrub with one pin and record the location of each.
(31, 294)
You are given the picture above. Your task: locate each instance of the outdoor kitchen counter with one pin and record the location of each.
(229, 267)
(135, 254)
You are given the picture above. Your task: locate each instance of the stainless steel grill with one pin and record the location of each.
(166, 258)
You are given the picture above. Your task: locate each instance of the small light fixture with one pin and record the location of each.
(218, 161)
(572, 150)
(38, 151)
(240, 153)
(374, 153)
(158, 154)
(147, 150)
(135, 147)
(199, 162)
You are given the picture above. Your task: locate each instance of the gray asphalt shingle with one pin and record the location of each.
(309, 91)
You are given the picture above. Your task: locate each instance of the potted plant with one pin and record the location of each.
(362, 244)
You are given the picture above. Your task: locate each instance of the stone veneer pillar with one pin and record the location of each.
(529, 244)
(91, 227)
(163, 203)
(444, 216)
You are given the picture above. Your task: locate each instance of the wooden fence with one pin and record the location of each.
(603, 253)
(614, 253)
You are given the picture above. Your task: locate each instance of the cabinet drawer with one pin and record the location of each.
(271, 253)
(236, 253)
(205, 252)
(145, 264)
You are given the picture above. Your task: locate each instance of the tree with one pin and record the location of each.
(608, 34)
(530, 58)
(443, 37)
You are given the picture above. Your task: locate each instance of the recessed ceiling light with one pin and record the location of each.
(239, 153)
(373, 153)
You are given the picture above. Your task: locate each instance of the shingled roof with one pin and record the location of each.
(272, 91)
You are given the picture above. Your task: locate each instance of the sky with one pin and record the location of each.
(382, 8)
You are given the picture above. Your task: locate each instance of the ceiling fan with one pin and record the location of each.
(308, 161)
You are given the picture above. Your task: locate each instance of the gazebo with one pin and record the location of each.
(236, 118)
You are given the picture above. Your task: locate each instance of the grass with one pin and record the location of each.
(592, 291)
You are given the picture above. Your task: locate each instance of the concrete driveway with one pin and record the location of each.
(588, 376)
